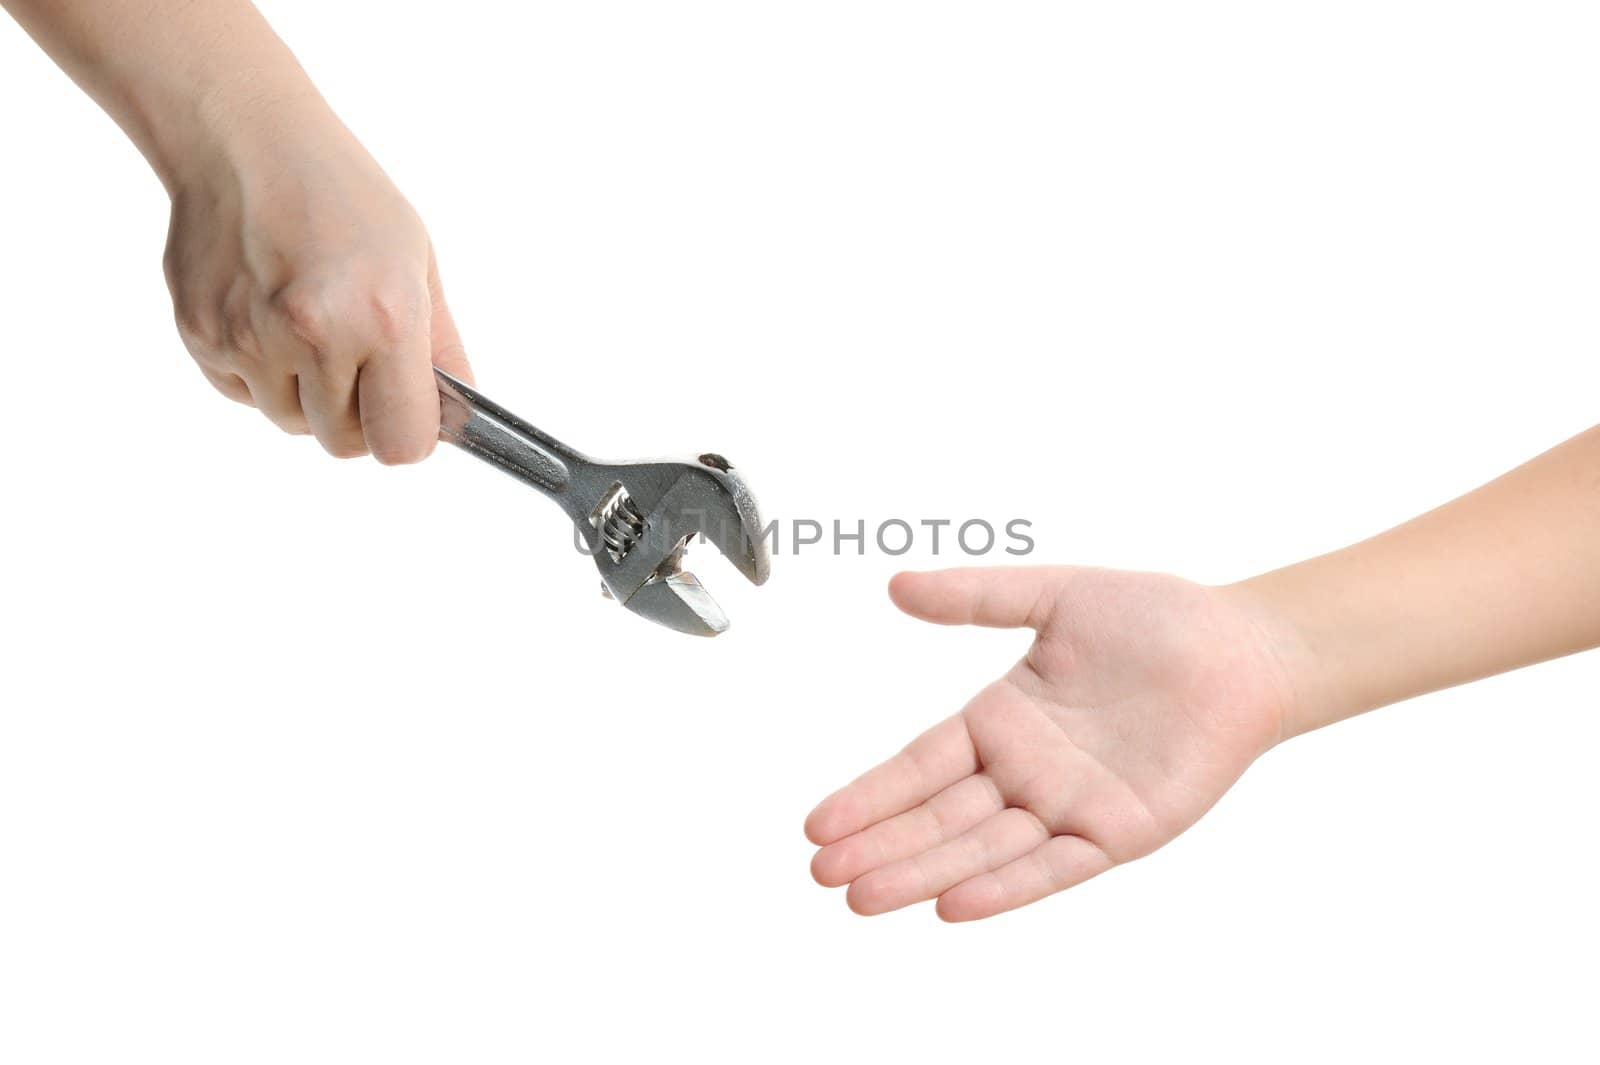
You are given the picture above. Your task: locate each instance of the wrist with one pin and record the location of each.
(1279, 606)
(231, 128)
(213, 97)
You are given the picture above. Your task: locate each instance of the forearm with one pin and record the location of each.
(186, 79)
(1503, 577)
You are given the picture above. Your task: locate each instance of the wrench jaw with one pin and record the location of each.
(736, 529)
(681, 603)
(648, 516)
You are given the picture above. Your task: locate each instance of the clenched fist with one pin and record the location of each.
(306, 286)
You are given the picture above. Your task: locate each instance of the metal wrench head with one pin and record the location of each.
(642, 515)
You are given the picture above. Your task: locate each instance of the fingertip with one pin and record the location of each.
(1004, 597)
(839, 815)
(824, 868)
(864, 899)
(819, 824)
(900, 585)
(908, 590)
(967, 901)
(939, 596)
(950, 913)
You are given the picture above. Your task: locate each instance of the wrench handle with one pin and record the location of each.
(483, 428)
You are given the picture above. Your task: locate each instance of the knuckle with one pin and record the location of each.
(201, 332)
(395, 306)
(174, 260)
(319, 360)
(306, 311)
(384, 311)
(171, 269)
(291, 421)
(292, 426)
(240, 336)
(230, 385)
(940, 823)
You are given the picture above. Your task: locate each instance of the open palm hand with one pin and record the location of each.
(1142, 699)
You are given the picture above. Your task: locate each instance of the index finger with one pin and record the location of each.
(929, 764)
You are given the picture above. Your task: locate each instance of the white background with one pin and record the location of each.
(319, 762)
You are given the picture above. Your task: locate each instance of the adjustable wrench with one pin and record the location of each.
(635, 518)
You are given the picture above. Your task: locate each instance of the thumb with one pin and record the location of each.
(1005, 597)
(448, 353)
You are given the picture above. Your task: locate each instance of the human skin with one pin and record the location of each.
(1144, 697)
(302, 281)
